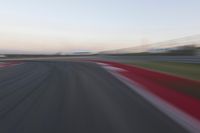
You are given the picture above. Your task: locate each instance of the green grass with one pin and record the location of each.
(191, 71)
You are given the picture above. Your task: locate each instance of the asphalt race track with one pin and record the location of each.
(74, 97)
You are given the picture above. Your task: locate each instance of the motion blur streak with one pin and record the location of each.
(74, 97)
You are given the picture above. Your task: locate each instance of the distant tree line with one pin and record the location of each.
(189, 50)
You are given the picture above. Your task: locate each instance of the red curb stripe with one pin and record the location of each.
(162, 85)
(8, 64)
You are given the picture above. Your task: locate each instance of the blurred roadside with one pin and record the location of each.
(179, 57)
(181, 60)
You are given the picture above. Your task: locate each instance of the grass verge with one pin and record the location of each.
(191, 71)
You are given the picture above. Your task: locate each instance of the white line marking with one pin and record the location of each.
(102, 64)
(112, 68)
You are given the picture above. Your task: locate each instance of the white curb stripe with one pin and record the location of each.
(112, 68)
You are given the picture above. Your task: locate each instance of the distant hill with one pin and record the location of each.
(184, 41)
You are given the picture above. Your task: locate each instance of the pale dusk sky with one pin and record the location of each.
(72, 25)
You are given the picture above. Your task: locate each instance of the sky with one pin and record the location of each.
(48, 26)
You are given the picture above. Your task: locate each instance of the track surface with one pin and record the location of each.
(73, 97)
